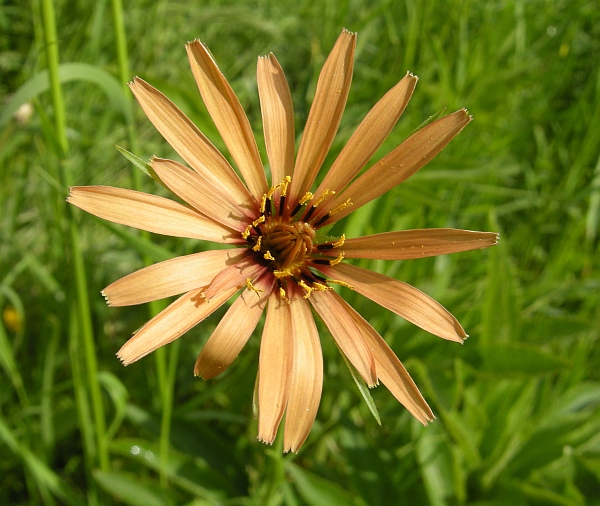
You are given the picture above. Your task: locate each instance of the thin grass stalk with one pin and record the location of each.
(165, 376)
(83, 312)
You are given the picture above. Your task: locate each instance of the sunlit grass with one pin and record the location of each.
(517, 405)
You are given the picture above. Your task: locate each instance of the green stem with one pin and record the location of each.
(83, 307)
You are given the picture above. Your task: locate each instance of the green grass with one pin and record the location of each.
(517, 406)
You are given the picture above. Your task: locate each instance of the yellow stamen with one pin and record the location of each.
(284, 185)
(250, 286)
(256, 247)
(307, 196)
(322, 197)
(263, 202)
(282, 274)
(260, 219)
(246, 233)
(272, 191)
(320, 287)
(341, 283)
(268, 256)
(283, 295)
(306, 288)
(337, 260)
(341, 207)
(340, 242)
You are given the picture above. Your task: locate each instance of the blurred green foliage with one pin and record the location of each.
(517, 405)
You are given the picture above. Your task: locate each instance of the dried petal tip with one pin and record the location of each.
(106, 298)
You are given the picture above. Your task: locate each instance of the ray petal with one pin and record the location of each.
(197, 191)
(171, 277)
(401, 298)
(189, 142)
(411, 244)
(149, 212)
(391, 371)
(229, 117)
(174, 321)
(369, 135)
(274, 368)
(401, 163)
(232, 333)
(277, 115)
(325, 114)
(236, 274)
(306, 381)
(347, 336)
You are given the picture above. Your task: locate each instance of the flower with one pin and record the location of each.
(277, 257)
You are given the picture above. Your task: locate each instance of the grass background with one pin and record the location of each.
(517, 405)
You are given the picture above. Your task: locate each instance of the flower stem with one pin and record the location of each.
(82, 312)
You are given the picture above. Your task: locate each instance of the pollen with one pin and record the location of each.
(283, 295)
(337, 260)
(326, 194)
(339, 208)
(250, 286)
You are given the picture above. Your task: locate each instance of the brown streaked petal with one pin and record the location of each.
(401, 298)
(232, 333)
(390, 370)
(325, 114)
(189, 142)
(200, 193)
(306, 381)
(369, 135)
(171, 323)
(150, 213)
(347, 336)
(410, 244)
(401, 163)
(229, 117)
(171, 277)
(274, 368)
(236, 274)
(277, 115)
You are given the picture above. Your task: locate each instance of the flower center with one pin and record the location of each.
(285, 240)
(288, 243)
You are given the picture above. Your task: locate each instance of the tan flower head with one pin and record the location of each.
(276, 258)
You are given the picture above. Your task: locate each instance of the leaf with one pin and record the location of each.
(145, 167)
(363, 389)
(317, 491)
(512, 359)
(39, 83)
(128, 489)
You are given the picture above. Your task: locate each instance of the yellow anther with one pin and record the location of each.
(320, 287)
(337, 260)
(268, 256)
(306, 288)
(260, 219)
(272, 191)
(284, 185)
(341, 283)
(263, 202)
(246, 233)
(340, 242)
(307, 196)
(250, 286)
(283, 295)
(322, 197)
(256, 247)
(339, 208)
(282, 274)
